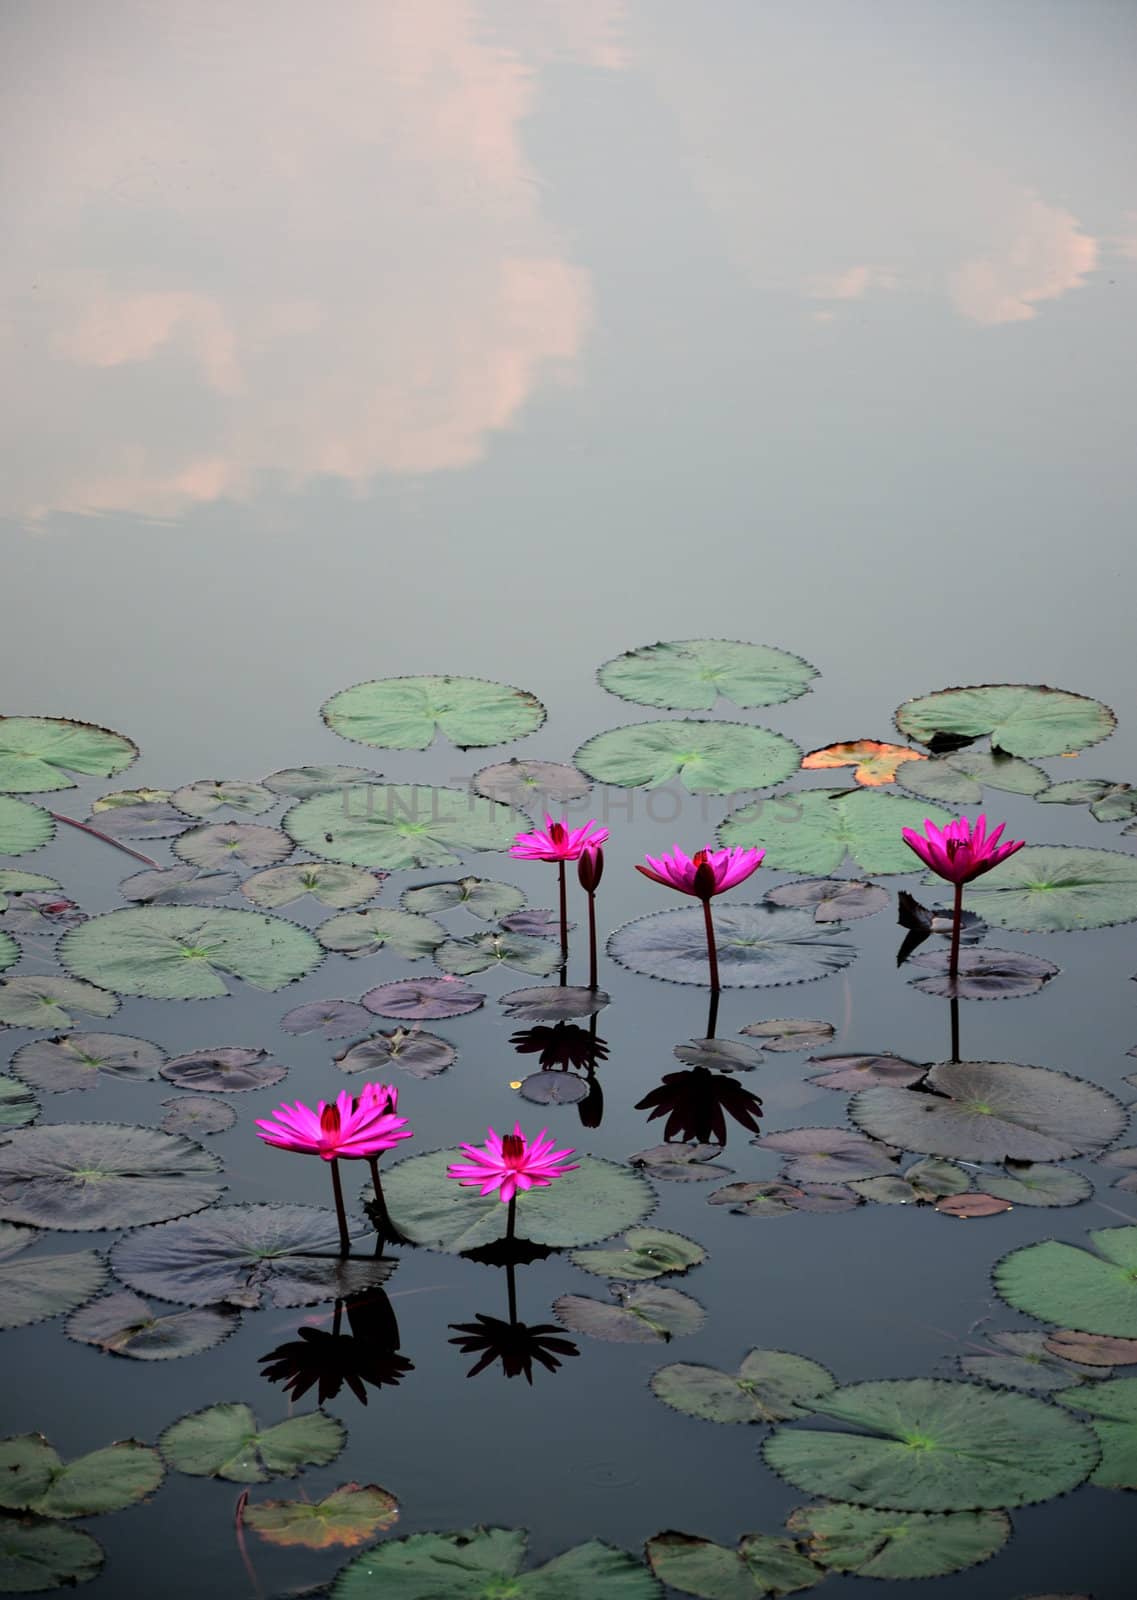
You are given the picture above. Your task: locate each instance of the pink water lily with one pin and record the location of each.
(960, 852)
(511, 1162)
(349, 1127)
(556, 841)
(708, 872)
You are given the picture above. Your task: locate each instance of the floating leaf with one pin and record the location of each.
(244, 1255)
(719, 1055)
(1022, 1361)
(14, 882)
(760, 1566)
(596, 1201)
(644, 1253)
(1108, 801)
(33, 1478)
(32, 1291)
(335, 1019)
(538, 922)
(348, 1516)
(984, 974)
(36, 1555)
(1088, 1293)
(758, 946)
(226, 1441)
(1022, 719)
(958, 780)
(48, 1002)
(423, 1055)
(858, 1072)
(300, 782)
(406, 713)
(149, 819)
(775, 1199)
(205, 796)
(924, 1181)
(875, 763)
(813, 830)
(1091, 1349)
(178, 886)
(831, 899)
(531, 783)
(481, 896)
(218, 844)
(770, 1386)
(89, 1175)
(885, 1544)
(1058, 888)
(124, 1325)
(480, 1563)
(683, 1163)
(789, 1033)
(224, 1069)
(829, 1155)
(78, 1060)
(932, 1444)
(968, 1206)
(127, 797)
(329, 883)
(1032, 1184)
(992, 1111)
(423, 999)
(691, 674)
(553, 1003)
(551, 1088)
(1112, 1410)
(362, 933)
(18, 1105)
(643, 1314)
(37, 753)
(36, 914)
(705, 757)
(481, 951)
(195, 1114)
(23, 827)
(178, 953)
(396, 826)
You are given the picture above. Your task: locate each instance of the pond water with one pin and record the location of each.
(497, 338)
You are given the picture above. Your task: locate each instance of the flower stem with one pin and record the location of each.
(380, 1205)
(713, 1014)
(954, 1004)
(341, 1214)
(564, 922)
(712, 953)
(107, 838)
(337, 1318)
(956, 930)
(511, 1219)
(593, 982)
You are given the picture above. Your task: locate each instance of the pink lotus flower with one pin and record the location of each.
(353, 1128)
(557, 841)
(511, 1162)
(708, 872)
(959, 852)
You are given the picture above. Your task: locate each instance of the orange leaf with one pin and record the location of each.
(875, 763)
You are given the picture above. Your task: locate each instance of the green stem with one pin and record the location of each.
(341, 1214)
(712, 953)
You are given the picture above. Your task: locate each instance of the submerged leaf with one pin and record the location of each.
(704, 757)
(226, 1441)
(719, 1055)
(829, 1155)
(644, 1314)
(16, 883)
(645, 1253)
(761, 1566)
(887, 1544)
(1020, 1360)
(124, 1325)
(36, 1555)
(149, 819)
(758, 946)
(37, 753)
(691, 674)
(1032, 1184)
(770, 1386)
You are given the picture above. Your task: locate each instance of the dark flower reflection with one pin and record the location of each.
(564, 1044)
(697, 1103)
(515, 1344)
(329, 1358)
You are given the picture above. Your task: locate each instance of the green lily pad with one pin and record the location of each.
(485, 1564)
(14, 882)
(397, 826)
(348, 1516)
(888, 1544)
(23, 826)
(484, 898)
(691, 674)
(119, 798)
(481, 951)
(705, 757)
(530, 783)
(80, 1060)
(18, 1105)
(244, 1255)
(217, 845)
(33, 1478)
(362, 933)
(1038, 1184)
(48, 1002)
(958, 780)
(202, 798)
(36, 1555)
(1022, 719)
(326, 881)
(644, 1253)
(93, 1175)
(596, 1201)
(992, 1111)
(1112, 1410)
(300, 782)
(1056, 889)
(1084, 1291)
(813, 830)
(9, 952)
(226, 1441)
(37, 753)
(758, 946)
(642, 1313)
(770, 1386)
(406, 713)
(925, 1181)
(760, 1566)
(31, 1291)
(933, 1444)
(1108, 800)
(423, 1055)
(1020, 1360)
(124, 1325)
(184, 953)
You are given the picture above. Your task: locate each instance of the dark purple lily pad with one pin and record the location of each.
(554, 1089)
(1092, 1349)
(831, 899)
(335, 1019)
(223, 1069)
(858, 1072)
(217, 844)
(682, 1163)
(758, 945)
(719, 1055)
(536, 923)
(789, 1033)
(984, 974)
(531, 783)
(182, 885)
(643, 1313)
(552, 1003)
(124, 1325)
(774, 1199)
(195, 1114)
(829, 1155)
(40, 913)
(79, 1060)
(423, 1055)
(423, 999)
(151, 819)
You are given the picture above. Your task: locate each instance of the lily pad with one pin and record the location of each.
(992, 1111)
(691, 674)
(332, 885)
(813, 830)
(348, 1516)
(1035, 1184)
(681, 1162)
(37, 1555)
(969, 1206)
(984, 974)
(789, 1033)
(362, 933)
(932, 1444)
(195, 1114)
(758, 946)
(925, 1181)
(1020, 1360)
(829, 1155)
(553, 1003)
(644, 1253)
(776, 1199)
(223, 1069)
(1108, 801)
(553, 1088)
(79, 1060)
(858, 1072)
(643, 1313)
(483, 951)
(705, 757)
(1022, 719)
(1112, 1410)
(37, 753)
(481, 896)
(484, 1564)
(226, 1441)
(887, 1544)
(423, 1055)
(206, 795)
(770, 1386)
(959, 780)
(407, 713)
(216, 845)
(149, 819)
(397, 826)
(531, 783)
(1056, 889)
(596, 1201)
(246, 1255)
(9, 951)
(831, 899)
(94, 1175)
(1093, 1350)
(1079, 1290)
(719, 1055)
(23, 826)
(179, 953)
(875, 763)
(32, 1291)
(48, 1002)
(300, 782)
(760, 1566)
(335, 1019)
(124, 1325)
(117, 798)
(423, 999)
(15, 883)
(33, 1478)
(178, 886)
(18, 1105)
